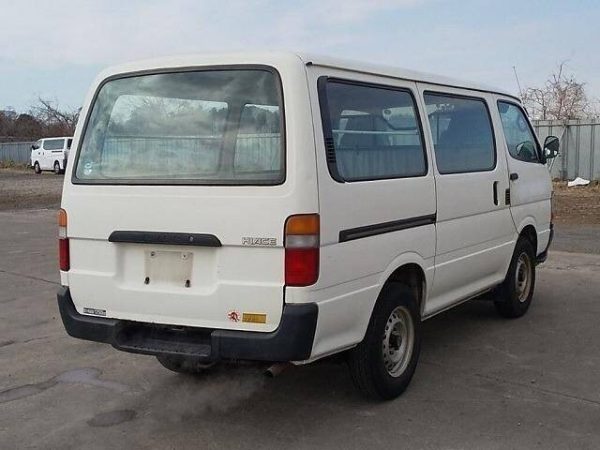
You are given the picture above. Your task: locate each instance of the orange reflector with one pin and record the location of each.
(62, 218)
(302, 224)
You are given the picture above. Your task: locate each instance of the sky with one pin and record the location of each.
(55, 48)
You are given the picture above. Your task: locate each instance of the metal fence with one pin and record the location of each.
(579, 147)
(17, 152)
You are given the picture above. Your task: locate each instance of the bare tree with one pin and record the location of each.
(562, 98)
(57, 121)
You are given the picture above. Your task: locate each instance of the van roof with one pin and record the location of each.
(56, 137)
(283, 57)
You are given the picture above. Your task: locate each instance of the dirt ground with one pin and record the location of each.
(22, 189)
(577, 205)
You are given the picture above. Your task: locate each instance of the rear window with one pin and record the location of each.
(197, 127)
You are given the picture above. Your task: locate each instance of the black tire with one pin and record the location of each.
(367, 361)
(57, 170)
(515, 293)
(36, 168)
(183, 364)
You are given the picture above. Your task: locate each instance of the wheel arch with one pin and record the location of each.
(408, 269)
(528, 229)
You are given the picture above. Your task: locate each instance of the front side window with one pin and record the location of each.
(374, 131)
(462, 133)
(54, 144)
(203, 127)
(519, 136)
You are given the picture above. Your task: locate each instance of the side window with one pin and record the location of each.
(54, 144)
(517, 132)
(371, 132)
(69, 142)
(462, 133)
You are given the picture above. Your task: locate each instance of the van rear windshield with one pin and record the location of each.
(221, 126)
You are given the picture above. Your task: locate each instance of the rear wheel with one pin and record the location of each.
(57, 168)
(36, 168)
(516, 292)
(383, 364)
(184, 364)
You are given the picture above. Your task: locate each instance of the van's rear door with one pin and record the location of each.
(177, 202)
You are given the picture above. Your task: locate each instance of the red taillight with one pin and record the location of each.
(302, 250)
(301, 266)
(63, 254)
(63, 242)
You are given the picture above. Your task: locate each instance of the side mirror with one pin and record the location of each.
(551, 147)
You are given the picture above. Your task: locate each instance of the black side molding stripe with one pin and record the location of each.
(162, 238)
(386, 227)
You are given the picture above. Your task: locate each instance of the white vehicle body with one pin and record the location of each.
(50, 153)
(449, 233)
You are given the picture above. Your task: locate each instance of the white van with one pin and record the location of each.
(280, 207)
(50, 154)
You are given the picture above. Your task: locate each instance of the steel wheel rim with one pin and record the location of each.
(523, 277)
(398, 341)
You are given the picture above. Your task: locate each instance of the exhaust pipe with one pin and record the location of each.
(276, 369)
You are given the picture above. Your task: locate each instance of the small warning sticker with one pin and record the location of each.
(234, 316)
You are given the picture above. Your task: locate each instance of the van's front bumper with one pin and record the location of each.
(291, 341)
(544, 255)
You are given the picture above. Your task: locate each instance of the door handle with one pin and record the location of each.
(514, 176)
(496, 193)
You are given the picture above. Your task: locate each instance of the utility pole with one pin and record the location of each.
(518, 82)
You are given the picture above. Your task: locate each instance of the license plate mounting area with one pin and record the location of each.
(168, 268)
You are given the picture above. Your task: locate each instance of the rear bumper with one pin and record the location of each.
(291, 341)
(544, 255)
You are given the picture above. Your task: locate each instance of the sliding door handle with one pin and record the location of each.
(514, 176)
(496, 193)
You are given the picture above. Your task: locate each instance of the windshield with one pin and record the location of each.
(202, 127)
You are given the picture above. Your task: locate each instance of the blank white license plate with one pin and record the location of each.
(168, 267)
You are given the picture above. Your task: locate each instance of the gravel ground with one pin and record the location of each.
(577, 205)
(23, 189)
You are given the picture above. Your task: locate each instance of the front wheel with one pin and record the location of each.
(383, 364)
(36, 168)
(516, 292)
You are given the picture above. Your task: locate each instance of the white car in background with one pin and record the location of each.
(50, 154)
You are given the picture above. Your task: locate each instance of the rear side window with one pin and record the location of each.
(462, 133)
(54, 144)
(518, 134)
(371, 132)
(221, 127)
